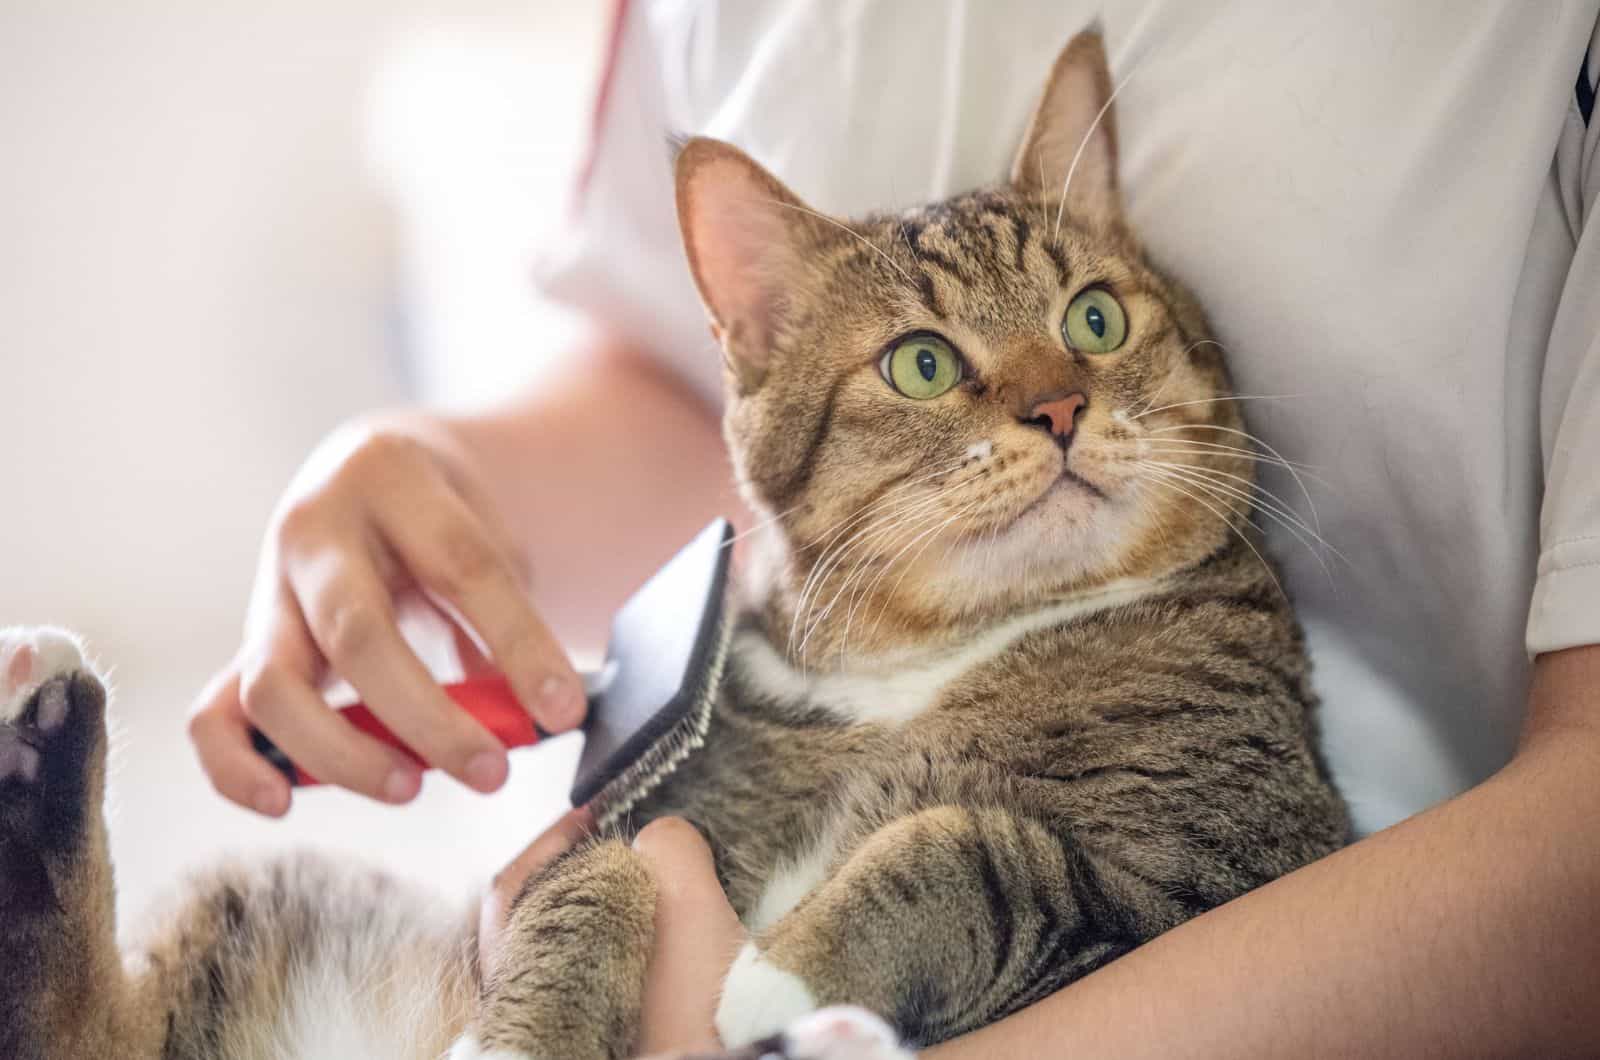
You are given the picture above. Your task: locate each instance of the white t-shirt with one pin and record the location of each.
(1383, 206)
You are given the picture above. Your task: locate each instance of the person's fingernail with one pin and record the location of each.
(563, 701)
(269, 801)
(402, 785)
(486, 770)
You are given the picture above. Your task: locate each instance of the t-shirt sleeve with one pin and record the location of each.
(1565, 611)
(618, 259)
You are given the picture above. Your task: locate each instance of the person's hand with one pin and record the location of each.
(697, 932)
(377, 516)
(697, 937)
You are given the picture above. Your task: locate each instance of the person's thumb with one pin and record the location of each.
(697, 936)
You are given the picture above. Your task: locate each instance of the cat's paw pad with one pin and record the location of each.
(759, 999)
(39, 674)
(842, 1032)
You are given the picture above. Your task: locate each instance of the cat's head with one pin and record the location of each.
(966, 407)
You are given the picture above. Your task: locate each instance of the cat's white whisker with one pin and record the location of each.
(846, 228)
(869, 512)
(1162, 481)
(887, 527)
(911, 563)
(1287, 519)
(1196, 445)
(1217, 400)
(1248, 482)
(1287, 466)
(882, 526)
(931, 535)
(888, 530)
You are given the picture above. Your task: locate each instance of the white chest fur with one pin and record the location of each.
(895, 689)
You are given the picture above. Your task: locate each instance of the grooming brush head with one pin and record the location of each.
(669, 645)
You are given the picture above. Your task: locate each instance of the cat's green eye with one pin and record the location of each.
(1095, 322)
(922, 367)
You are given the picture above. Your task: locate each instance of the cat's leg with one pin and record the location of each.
(293, 957)
(940, 921)
(569, 978)
(62, 991)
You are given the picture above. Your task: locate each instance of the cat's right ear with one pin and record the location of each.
(745, 235)
(1070, 149)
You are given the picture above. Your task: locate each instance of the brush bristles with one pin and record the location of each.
(617, 798)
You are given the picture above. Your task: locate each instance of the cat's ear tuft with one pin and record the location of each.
(1071, 144)
(746, 236)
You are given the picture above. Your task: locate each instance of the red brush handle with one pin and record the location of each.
(488, 698)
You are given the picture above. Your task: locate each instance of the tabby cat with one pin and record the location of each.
(1012, 690)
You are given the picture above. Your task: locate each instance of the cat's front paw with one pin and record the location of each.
(42, 676)
(759, 999)
(52, 757)
(842, 1032)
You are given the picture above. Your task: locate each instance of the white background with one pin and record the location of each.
(224, 227)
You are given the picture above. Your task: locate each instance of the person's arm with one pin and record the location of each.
(582, 486)
(601, 474)
(1465, 931)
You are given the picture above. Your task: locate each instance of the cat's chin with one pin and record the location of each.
(1072, 533)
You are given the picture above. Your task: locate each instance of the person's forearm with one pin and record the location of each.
(601, 469)
(1467, 931)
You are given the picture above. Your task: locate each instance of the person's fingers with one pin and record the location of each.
(697, 936)
(451, 553)
(350, 615)
(221, 738)
(278, 695)
(471, 657)
(508, 882)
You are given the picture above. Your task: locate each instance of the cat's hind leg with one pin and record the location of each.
(61, 984)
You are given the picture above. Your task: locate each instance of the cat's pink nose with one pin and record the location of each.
(1058, 414)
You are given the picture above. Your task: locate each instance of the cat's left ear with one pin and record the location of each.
(747, 239)
(1071, 144)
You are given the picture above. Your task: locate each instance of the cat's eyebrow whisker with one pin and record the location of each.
(1287, 466)
(1077, 155)
(1216, 400)
(1158, 480)
(846, 228)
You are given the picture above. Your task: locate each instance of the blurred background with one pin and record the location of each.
(224, 228)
